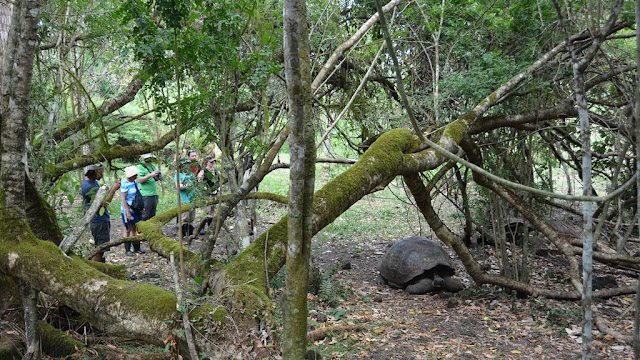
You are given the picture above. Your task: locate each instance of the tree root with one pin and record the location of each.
(603, 326)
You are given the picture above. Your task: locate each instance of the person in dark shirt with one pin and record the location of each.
(211, 178)
(101, 222)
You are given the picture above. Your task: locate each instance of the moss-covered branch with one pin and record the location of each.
(118, 307)
(265, 256)
(164, 246)
(115, 152)
(105, 109)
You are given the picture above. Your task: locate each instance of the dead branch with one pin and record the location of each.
(320, 334)
(74, 235)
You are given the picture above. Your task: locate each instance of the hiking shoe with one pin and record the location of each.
(128, 253)
(140, 251)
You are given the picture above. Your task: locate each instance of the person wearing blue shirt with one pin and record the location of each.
(130, 217)
(101, 222)
(184, 181)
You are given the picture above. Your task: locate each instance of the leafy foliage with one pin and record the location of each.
(332, 290)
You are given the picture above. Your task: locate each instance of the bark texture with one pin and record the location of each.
(20, 51)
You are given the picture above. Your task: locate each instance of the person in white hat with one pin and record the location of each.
(147, 178)
(130, 216)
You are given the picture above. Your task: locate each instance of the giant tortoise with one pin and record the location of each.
(417, 265)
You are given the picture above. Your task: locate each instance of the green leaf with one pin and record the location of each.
(182, 308)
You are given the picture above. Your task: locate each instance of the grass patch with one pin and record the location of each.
(387, 214)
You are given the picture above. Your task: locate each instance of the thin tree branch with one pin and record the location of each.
(396, 66)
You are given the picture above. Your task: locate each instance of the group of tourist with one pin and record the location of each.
(143, 177)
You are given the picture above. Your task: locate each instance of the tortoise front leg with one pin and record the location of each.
(453, 285)
(422, 286)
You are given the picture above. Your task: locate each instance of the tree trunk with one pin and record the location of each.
(16, 89)
(6, 10)
(301, 180)
(636, 112)
(19, 56)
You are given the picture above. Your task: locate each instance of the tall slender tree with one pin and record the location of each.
(302, 176)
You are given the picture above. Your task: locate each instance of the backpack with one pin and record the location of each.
(138, 202)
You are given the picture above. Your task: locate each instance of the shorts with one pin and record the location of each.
(101, 233)
(136, 217)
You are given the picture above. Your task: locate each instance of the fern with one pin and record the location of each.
(332, 291)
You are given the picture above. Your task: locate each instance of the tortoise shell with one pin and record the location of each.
(412, 257)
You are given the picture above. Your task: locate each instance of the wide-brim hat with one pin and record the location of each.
(130, 171)
(147, 156)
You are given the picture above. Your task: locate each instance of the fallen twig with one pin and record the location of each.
(320, 334)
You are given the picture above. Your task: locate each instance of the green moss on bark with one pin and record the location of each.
(9, 296)
(152, 230)
(115, 271)
(41, 217)
(55, 342)
(250, 267)
(456, 130)
(9, 352)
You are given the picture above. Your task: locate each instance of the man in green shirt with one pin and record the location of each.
(147, 178)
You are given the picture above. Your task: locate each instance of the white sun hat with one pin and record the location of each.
(130, 171)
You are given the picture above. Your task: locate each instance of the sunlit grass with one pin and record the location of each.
(376, 215)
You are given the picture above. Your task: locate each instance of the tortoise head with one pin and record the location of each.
(438, 281)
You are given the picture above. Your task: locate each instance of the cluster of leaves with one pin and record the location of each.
(333, 291)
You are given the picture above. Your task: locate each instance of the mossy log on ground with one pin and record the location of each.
(11, 346)
(116, 306)
(55, 342)
(115, 271)
(9, 352)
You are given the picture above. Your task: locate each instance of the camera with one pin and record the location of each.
(159, 177)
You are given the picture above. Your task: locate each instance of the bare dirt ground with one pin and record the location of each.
(477, 323)
(480, 322)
